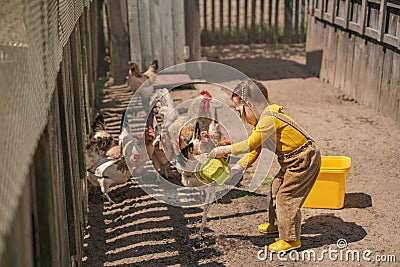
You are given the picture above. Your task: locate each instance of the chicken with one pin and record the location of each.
(214, 129)
(98, 127)
(149, 136)
(196, 140)
(163, 105)
(182, 124)
(101, 138)
(152, 70)
(107, 172)
(103, 170)
(188, 178)
(159, 158)
(166, 110)
(206, 144)
(154, 140)
(187, 158)
(135, 79)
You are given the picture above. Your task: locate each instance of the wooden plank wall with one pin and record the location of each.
(156, 31)
(359, 52)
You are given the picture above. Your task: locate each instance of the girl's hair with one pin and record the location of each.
(246, 90)
(254, 94)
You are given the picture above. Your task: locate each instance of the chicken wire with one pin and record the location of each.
(32, 36)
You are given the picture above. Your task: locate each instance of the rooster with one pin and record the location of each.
(183, 125)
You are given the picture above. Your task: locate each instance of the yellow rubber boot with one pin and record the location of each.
(284, 246)
(267, 228)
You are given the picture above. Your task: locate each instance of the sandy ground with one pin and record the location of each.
(141, 231)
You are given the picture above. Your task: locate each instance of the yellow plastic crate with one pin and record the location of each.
(330, 186)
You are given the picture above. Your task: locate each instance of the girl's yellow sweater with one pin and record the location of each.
(287, 137)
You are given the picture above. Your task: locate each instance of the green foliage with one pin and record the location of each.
(268, 181)
(260, 34)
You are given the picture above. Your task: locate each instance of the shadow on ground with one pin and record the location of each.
(269, 68)
(317, 231)
(357, 200)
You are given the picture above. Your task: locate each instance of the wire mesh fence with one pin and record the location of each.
(48, 60)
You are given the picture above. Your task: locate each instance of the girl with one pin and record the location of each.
(298, 156)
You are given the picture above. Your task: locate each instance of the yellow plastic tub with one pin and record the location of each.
(330, 186)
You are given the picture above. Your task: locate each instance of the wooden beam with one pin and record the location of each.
(346, 16)
(156, 33)
(221, 21)
(192, 28)
(382, 20)
(178, 8)
(119, 39)
(167, 33)
(237, 20)
(362, 24)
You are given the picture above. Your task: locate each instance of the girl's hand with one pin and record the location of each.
(221, 150)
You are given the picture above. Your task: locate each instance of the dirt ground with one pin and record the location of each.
(141, 231)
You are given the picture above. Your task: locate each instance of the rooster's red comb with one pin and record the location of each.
(206, 94)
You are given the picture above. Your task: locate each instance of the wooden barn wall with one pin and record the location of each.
(362, 58)
(156, 31)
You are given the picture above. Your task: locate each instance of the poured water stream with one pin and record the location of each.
(210, 198)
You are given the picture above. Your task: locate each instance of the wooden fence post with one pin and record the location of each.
(192, 28)
(119, 39)
(134, 32)
(276, 34)
(253, 21)
(237, 20)
(101, 64)
(288, 28)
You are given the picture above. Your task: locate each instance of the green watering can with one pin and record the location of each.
(214, 170)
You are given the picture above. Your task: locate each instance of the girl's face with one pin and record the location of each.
(245, 111)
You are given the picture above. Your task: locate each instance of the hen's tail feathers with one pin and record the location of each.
(122, 123)
(98, 123)
(197, 132)
(215, 115)
(184, 155)
(155, 64)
